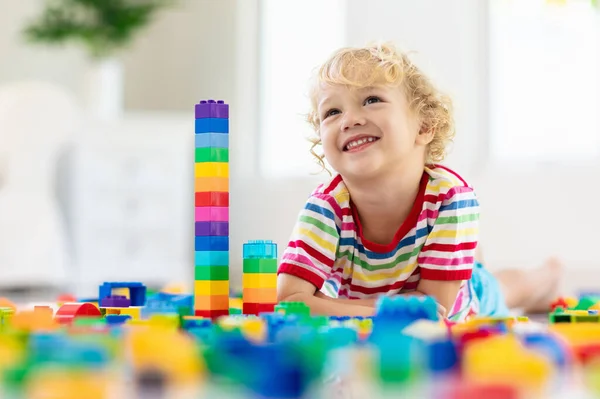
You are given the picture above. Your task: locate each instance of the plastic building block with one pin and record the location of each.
(219, 273)
(263, 249)
(211, 302)
(116, 319)
(211, 287)
(212, 199)
(115, 301)
(137, 291)
(211, 214)
(69, 311)
(482, 390)
(212, 125)
(259, 280)
(260, 295)
(293, 308)
(258, 308)
(211, 258)
(211, 169)
(212, 229)
(211, 184)
(442, 356)
(404, 310)
(211, 314)
(211, 243)
(211, 154)
(212, 140)
(258, 265)
(211, 109)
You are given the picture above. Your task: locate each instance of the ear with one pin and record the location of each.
(425, 135)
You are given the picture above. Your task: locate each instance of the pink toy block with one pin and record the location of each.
(212, 214)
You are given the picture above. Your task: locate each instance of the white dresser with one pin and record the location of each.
(131, 207)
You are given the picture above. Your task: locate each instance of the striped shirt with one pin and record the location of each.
(437, 241)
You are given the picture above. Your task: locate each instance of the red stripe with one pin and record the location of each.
(463, 246)
(348, 286)
(333, 184)
(446, 275)
(302, 273)
(318, 255)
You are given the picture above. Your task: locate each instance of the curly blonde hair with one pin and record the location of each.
(378, 64)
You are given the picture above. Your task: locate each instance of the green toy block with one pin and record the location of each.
(212, 154)
(293, 308)
(211, 273)
(259, 265)
(586, 302)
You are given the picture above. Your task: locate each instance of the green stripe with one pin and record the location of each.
(212, 154)
(322, 226)
(383, 266)
(207, 273)
(257, 265)
(457, 219)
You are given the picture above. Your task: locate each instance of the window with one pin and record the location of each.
(295, 36)
(545, 81)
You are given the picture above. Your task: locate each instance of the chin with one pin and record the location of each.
(363, 171)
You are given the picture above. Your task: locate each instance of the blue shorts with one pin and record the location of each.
(487, 290)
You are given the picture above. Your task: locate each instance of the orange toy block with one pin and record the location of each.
(259, 295)
(211, 302)
(211, 184)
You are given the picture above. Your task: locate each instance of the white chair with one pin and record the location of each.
(37, 122)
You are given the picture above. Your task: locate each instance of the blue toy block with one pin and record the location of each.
(211, 109)
(116, 319)
(211, 258)
(442, 356)
(137, 291)
(212, 140)
(262, 249)
(212, 125)
(553, 347)
(211, 243)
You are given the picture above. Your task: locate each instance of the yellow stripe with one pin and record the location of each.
(211, 169)
(321, 242)
(452, 233)
(359, 275)
(259, 280)
(436, 185)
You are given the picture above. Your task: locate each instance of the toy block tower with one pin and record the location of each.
(259, 279)
(211, 174)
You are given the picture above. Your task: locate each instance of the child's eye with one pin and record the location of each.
(372, 99)
(331, 112)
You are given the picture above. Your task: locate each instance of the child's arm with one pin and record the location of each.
(291, 288)
(444, 292)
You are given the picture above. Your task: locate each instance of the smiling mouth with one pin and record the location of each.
(356, 145)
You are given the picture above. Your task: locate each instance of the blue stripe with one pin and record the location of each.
(459, 205)
(334, 285)
(211, 258)
(320, 210)
(214, 140)
(407, 241)
(214, 125)
(211, 243)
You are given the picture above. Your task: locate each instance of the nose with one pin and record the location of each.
(353, 118)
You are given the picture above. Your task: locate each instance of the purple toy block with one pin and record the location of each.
(212, 109)
(220, 229)
(115, 301)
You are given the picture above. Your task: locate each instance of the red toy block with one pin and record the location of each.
(69, 311)
(257, 308)
(487, 391)
(211, 314)
(212, 198)
(559, 303)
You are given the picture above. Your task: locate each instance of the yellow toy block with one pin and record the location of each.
(134, 311)
(519, 366)
(259, 295)
(211, 302)
(259, 280)
(211, 169)
(214, 287)
(236, 303)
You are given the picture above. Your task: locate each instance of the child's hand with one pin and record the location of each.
(441, 311)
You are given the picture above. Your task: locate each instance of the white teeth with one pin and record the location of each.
(358, 142)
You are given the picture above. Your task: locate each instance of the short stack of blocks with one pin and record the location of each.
(259, 277)
(211, 174)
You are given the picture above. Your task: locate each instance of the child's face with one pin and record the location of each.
(368, 132)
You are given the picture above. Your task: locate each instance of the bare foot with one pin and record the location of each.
(547, 279)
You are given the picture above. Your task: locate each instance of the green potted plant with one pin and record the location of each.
(104, 28)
